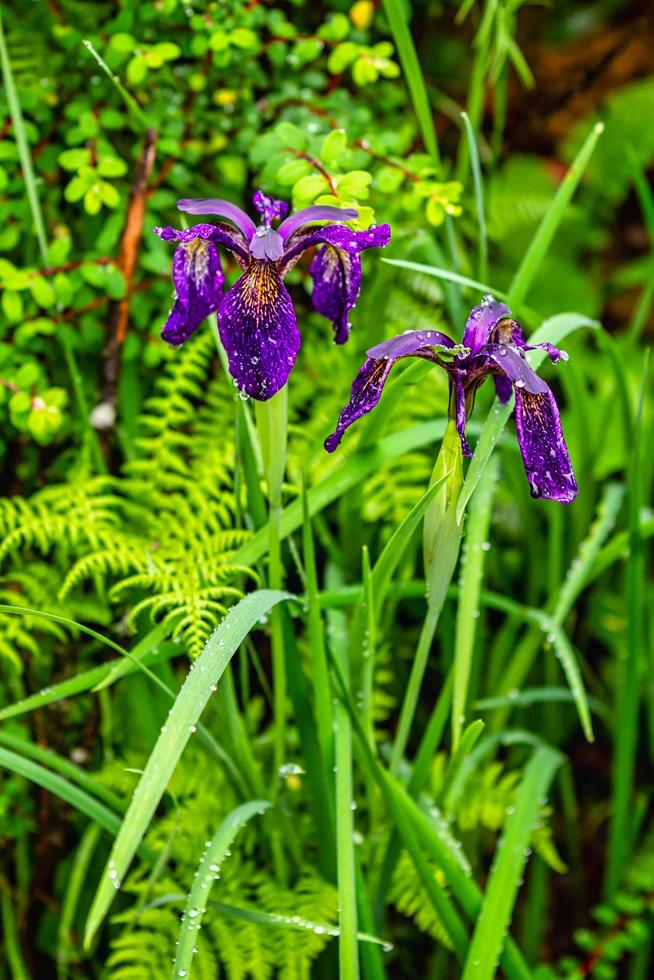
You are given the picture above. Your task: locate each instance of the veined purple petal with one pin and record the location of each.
(409, 342)
(317, 212)
(482, 321)
(366, 391)
(198, 280)
(336, 286)
(257, 327)
(219, 234)
(215, 205)
(514, 366)
(268, 207)
(543, 448)
(369, 383)
(266, 243)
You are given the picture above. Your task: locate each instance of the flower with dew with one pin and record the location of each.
(493, 344)
(256, 318)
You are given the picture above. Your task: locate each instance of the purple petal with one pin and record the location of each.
(552, 352)
(198, 280)
(267, 244)
(340, 237)
(503, 388)
(215, 205)
(482, 321)
(336, 286)
(268, 207)
(461, 412)
(258, 331)
(219, 234)
(317, 212)
(511, 362)
(410, 342)
(366, 392)
(543, 448)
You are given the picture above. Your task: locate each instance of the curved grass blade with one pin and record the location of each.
(258, 918)
(495, 914)
(65, 790)
(540, 695)
(51, 761)
(200, 683)
(479, 195)
(207, 873)
(437, 273)
(555, 329)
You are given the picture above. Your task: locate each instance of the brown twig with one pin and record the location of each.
(118, 318)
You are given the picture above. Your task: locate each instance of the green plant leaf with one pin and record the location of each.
(181, 724)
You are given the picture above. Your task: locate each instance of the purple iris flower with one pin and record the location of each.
(256, 318)
(493, 344)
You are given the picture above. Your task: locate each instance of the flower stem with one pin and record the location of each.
(442, 539)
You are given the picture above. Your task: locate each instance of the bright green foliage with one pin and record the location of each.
(134, 502)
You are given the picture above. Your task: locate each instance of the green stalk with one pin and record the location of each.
(23, 147)
(272, 424)
(348, 952)
(472, 564)
(77, 877)
(629, 690)
(406, 50)
(90, 435)
(475, 167)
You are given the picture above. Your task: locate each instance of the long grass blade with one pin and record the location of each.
(208, 872)
(412, 73)
(495, 914)
(547, 229)
(180, 726)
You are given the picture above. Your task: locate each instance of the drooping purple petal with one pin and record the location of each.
(482, 321)
(513, 365)
(410, 342)
(338, 236)
(459, 394)
(267, 244)
(268, 207)
(198, 279)
(215, 205)
(257, 327)
(503, 388)
(554, 353)
(219, 234)
(543, 448)
(317, 212)
(336, 286)
(366, 391)
(369, 382)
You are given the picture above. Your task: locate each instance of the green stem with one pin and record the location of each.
(415, 683)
